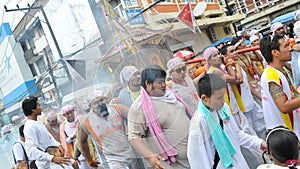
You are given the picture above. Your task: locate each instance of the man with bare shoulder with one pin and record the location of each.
(279, 97)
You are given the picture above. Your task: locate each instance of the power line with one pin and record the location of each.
(7, 2)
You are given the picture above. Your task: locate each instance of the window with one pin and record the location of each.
(258, 2)
(185, 1)
(233, 8)
(222, 2)
(244, 10)
(227, 30)
(33, 70)
(212, 34)
(209, 1)
(119, 10)
(242, 6)
(167, 1)
(41, 65)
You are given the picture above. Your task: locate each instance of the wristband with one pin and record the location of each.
(90, 162)
(227, 64)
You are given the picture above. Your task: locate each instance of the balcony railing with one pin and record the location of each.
(120, 10)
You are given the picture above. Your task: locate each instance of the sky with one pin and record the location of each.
(12, 18)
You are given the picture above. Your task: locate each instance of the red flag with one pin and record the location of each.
(186, 17)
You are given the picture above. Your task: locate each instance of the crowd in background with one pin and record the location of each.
(215, 113)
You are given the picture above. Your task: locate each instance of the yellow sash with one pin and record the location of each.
(227, 100)
(273, 76)
(237, 94)
(260, 66)
(71, 148)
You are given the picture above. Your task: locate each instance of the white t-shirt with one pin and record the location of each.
(248, 101)
(70, 129)
(188, 93)
(66, 166)
(18, 151)
(273, 116)
(37, 139)
(233, 103)
(110, 135)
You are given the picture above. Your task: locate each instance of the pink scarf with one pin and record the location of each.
(167, 151)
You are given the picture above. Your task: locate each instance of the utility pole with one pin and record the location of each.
(53, 37)
(52, 76)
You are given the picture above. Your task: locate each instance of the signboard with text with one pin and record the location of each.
(133, 12)
(129, 3)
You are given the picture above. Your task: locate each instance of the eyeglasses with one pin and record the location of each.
(178, 70)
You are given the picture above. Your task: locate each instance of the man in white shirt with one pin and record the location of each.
(279, 95)
(37, 137)
(183, 85)
(68, 134)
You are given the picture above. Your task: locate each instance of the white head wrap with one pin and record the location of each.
(172, 63)
(253, 38)
(253, 32)
(276, 26)
(297, 28)
(67, 108)
(126, 73)
(297, 15)
(51, 116)
(14, 118)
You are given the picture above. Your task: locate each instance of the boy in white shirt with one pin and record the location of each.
(56, 152)
(18, 150)
(214, 137)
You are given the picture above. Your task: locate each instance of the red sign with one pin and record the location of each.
(186, 17)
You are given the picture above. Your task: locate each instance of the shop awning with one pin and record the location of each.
(284, 18)
(222, 41)
(227, 39)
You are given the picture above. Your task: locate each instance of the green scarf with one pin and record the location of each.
(223, 145)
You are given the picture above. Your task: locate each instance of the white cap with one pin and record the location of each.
(51, 116)
(253, 38)
(14, 118)
(126, 73)
(172, 63)
(276, 26)
(297, 15)
(297, 28)
(67, 108)
(253, 32)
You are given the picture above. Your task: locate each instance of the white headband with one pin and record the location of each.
(276, 129)
(238, 43)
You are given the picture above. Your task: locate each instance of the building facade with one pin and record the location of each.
(260, 13)
(215, 23)
(16, 79)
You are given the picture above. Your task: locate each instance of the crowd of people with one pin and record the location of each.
(189, 116)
